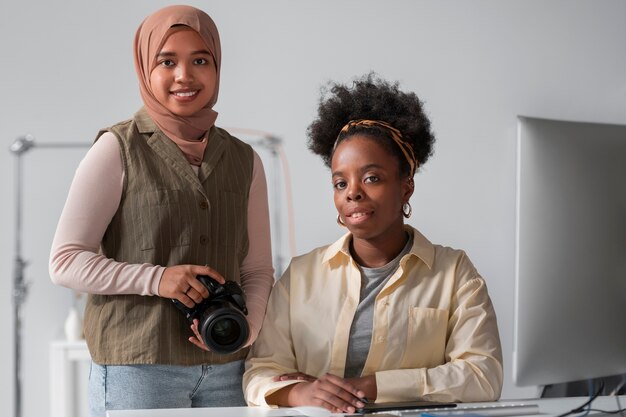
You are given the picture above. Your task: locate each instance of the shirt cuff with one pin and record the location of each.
(398, 385)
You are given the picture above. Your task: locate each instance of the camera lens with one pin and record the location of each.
(225, 331)
(224, 328)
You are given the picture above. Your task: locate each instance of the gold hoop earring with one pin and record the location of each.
(340, 222)
(407, 210)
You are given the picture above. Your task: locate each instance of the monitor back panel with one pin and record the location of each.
(570, 306)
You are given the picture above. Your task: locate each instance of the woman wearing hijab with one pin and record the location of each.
(157, 201)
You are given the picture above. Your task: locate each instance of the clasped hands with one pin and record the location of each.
(337, 394)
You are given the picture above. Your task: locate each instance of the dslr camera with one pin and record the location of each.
(222, 316)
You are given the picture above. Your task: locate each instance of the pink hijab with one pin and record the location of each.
(188, 131)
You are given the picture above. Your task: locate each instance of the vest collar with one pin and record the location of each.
(168, 150)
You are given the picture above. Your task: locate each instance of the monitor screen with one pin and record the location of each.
(570, 290)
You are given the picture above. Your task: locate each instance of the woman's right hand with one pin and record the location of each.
(180, 282)
(329, 391)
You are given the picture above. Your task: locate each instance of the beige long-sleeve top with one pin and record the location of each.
(434, 336)
(92, 201)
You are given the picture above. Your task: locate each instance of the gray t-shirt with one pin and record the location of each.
(372, 281)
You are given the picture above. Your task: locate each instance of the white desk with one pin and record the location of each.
(547, 407)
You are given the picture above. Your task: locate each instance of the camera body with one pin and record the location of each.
(222, 316)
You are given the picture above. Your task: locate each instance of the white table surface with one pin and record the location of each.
(547, 407)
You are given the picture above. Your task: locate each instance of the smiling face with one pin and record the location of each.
(369, 192)
(185, 77)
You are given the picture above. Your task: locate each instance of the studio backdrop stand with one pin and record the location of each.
(20, 286)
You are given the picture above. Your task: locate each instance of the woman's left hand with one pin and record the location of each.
(197, 339)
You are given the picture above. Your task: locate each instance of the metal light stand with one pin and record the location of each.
(20, 287)
(273, 144)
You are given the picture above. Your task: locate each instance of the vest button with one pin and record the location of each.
(204, 240)
(204, 205)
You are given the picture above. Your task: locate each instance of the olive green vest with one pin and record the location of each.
(169, 215)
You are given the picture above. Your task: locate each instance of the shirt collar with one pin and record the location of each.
(422, 248)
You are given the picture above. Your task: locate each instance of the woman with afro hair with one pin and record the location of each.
(382, 314)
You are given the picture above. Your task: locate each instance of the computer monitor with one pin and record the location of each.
(570, 280)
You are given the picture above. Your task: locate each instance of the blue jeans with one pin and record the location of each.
(128, 387)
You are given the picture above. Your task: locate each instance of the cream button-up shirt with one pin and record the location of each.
(434, 337)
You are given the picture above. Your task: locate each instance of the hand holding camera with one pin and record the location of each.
(179, 282)
(219, 320)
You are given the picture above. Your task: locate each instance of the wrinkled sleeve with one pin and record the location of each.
(273, 353)
(257, 273)
(92, 201)
(473, 358)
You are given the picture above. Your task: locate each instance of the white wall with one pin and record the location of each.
(67, 71)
